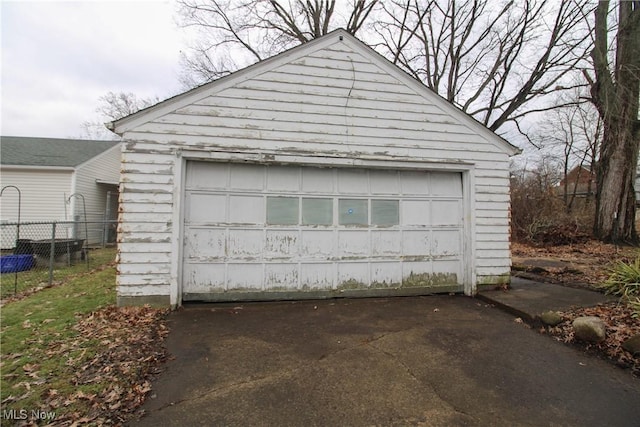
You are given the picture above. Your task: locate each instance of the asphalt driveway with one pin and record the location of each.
(440, 360)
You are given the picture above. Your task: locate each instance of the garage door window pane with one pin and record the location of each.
(385, 212)
(317, 211)
(282, 210)
(353, 212)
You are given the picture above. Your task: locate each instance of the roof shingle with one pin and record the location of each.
(27, 151)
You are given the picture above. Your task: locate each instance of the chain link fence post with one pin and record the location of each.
(52, 254)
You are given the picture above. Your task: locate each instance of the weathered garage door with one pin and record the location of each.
(267, 232)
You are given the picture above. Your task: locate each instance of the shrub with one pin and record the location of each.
(624, 281)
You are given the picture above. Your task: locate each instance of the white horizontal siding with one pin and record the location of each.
(428, 151)
(44, 194)
(332, 102)
(494, 245)
(104, 167)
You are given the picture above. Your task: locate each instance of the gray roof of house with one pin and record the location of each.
(26, 151)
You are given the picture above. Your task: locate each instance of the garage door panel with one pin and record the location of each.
(246, 210)
(446, 212)
(281, 244)
(446, 266)
(415, 212)
(446, 243)
(416, 243)
(205, 243)
(446, 272)
(385, 274)
(386, 243)
(446, 184)
(246, 177)
(206, 208)
(353, 275)
(244, 277)
(353, 243)
(317, 244)
(315, 276)
(318, 180)
(204, 277)
(353, 181)
(283, 179)
(200, 175)
(280, 277)
(416, 273)
(244, 244)
(414, 183)
(384, 182)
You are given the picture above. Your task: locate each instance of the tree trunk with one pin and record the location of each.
(615, 198)
(616, 97)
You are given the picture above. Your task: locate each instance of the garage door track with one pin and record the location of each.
(439, 360)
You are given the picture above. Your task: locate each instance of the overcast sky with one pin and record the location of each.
(58, 58)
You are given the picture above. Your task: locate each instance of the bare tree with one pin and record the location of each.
(236, 33)
(113, 106)
(573, 133)
(615, 92)
(489, 58)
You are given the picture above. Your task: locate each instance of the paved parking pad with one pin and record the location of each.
(438, 360)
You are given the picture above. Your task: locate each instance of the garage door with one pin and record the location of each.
(256, 232)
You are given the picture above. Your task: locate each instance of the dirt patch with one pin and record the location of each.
(584, 265)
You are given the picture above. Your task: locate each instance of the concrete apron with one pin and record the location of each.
(439, 360)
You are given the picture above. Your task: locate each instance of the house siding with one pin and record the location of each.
(44, 193)
(104, 167)
(333, 103)
(43, 196)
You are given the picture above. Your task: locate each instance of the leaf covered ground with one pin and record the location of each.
(585, 265)
(73, 357)
(582, 264)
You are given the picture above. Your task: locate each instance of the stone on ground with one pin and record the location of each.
(551, 318)
(589, 328)
(632, 345)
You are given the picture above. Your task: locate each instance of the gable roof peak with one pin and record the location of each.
(339, 35)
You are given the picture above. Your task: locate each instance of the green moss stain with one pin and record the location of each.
(499, 279)
(424, 280)
(351, 284)
(414, 280)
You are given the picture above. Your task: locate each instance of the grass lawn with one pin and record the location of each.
(66, 350)
(11, 283)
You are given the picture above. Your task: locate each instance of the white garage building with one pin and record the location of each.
(324, 171)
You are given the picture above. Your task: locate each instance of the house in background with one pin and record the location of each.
(580, 183)
(583, 181)
(55, 177)
(323, 171)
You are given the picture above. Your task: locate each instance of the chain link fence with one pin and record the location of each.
(36, 254)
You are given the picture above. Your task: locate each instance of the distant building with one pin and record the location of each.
(580, 181)
(48, 171)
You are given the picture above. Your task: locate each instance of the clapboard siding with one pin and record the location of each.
(314, 104)
(326, 100)
(295, 121)
(414, 150)
(39, 188)
(103, 167)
